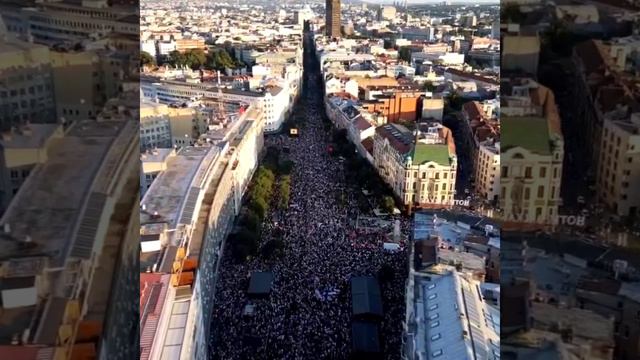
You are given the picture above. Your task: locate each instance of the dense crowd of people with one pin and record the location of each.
(307, 315)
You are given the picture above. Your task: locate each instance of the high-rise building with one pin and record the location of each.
(333, 18)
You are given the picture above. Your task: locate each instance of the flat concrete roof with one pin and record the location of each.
(156, 155)
(169, 190)
(47, 207)
(39, 135)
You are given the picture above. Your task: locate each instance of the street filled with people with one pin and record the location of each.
(307, 314)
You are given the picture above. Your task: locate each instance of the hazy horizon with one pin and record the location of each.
(420, 2)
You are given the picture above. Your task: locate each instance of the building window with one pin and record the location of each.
(540, 191)
(543, 172)
(527, 172)
(504, 172)
(527, 193)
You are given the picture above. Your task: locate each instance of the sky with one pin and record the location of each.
(413, 2)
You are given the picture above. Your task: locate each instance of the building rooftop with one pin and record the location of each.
(44, 212)
(438, 153)
(398, 136)
(528, 132)
(452, 319)
(585, 324)
(56, 215)
(164, 200)
(34, 136)
(156, 155)
(17, 53)
(153, 290)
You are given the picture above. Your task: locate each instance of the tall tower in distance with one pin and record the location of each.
(332, 19)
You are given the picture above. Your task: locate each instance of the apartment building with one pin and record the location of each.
(35, 82)
(186, 214)
(397, 104)
(487, 172)
(183, 45)
(531, 153)
(155, 130)
(420, 169)
(26, 82)
(482, 140)
(55, 22)
(618, 168)
(481, 80)
(275, 100)
(345, 113)
(433, 108)
(591, 61)
(605, 95)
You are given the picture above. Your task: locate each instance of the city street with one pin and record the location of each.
(307, 315)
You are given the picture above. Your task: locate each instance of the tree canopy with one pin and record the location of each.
(193, 58)
(146, 59)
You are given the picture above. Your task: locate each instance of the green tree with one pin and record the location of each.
(285, 167)
(285, 192)
(251, 221)
(260, 207)
(388, 204)
(195, 58)
(176, 58)
(146, 59)
(244, 244)
(220, 59)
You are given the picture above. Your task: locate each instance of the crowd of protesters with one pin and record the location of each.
(307, 314)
